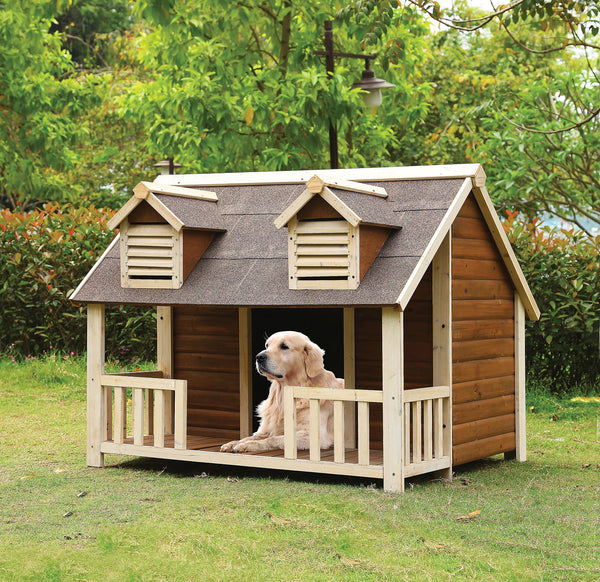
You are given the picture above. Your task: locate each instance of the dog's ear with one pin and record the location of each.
(313, 359)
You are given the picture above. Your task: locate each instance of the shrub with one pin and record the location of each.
(45, 254)
(562, 268)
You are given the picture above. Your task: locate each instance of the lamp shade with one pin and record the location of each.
(372, 85)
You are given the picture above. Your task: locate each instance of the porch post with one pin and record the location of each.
(96, 404)
(393, 398)
(164, 356)
(442, 334)
(246, 365)
(349, 377)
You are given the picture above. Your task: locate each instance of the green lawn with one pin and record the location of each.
(158, 520)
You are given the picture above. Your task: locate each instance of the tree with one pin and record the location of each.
(238, 86)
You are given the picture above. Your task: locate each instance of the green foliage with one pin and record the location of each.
(46, 253)
(562, 268)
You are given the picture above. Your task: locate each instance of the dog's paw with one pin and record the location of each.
(229, 447)
(246, 447)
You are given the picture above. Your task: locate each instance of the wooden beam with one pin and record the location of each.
(351, 186)
(164, 357)
(520, 405)
(170, 190)
(442, 335)
(393, 389)
(245, 355)
(96, 404)
(123, 213)
(341, 207)
(165, 212)
(349, 375)
(293, 209)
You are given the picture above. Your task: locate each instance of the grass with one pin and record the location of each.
(157, 520)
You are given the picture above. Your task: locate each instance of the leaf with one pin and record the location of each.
(249, 115)
(279, 520)
(471, 515)
(348, 561)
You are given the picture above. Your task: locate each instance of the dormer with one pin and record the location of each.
(336, 228)
(164, 231)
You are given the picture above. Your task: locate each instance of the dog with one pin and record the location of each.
(289, 359)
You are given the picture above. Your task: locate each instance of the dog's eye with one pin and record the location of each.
(284, 347)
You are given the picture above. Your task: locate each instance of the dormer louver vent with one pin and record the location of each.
(329, 245)
(164, 232)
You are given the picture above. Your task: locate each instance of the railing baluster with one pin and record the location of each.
(289, 424)
(138, 416)
(364, 438)
(427, 431)
(315, 429)
(149, 411)
(120, 426)
(180, 414)
(339, 445)
(407, 447)
(159, 418)
(438, 432)
(416, 431)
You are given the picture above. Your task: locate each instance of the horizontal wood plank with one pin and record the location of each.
(476, 269)
(468, 330)
(483, 389)
(482, 309)
(479, 449)
(482, 429)
(482, 369)
(466, 351)
(482, 409)
(494, 289)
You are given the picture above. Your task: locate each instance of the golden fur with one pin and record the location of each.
(290, 359)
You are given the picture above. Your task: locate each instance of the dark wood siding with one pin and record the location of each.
(206, 354)
(483, 368)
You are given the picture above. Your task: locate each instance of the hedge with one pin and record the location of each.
(562, 267)
(47, 252)
(45, 255)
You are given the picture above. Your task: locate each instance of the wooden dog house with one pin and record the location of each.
(404, 275)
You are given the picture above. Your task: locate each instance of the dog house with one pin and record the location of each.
(403, 275)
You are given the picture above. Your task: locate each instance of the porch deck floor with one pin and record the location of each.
(211, 444)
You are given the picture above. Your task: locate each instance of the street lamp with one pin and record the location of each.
(369, 83)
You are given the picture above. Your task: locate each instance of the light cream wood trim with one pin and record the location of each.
(169, 190)
(244, 460)
(178, 261)
(293, 209)
(427, 430)
(245, 363)
(292, 247)
(422, 394)
(442, 335)
(302, 176)
(363, 433)
(479, 178)
(417, 428)
(438, 431)
(289, 424)
(149, 411)
(520, 380)
(137, 402)
(407, 436)
(159, 418)
(352, 186)
(322, 227)
(165, 212)
(393, 390)
(141, 190)
(113, 380)
(341, 284)
(339, 449)
(426, 467)
(73, 296)
(354, 257)
(164, 356)
(180, 432)
(350, 375)
(315, 185)
(333, 394)
(506, 252)
(341, 207)
(434, 243)
(120, 426)
(315, 429)
(122, 214)
(96, 402)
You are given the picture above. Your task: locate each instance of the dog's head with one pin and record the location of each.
(290, 355)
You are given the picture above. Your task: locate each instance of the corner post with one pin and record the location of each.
(164, 356)
(392, 319)
(442, 334)
(520, 380)
(96, 404)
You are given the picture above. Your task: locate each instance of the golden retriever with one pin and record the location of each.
(290, 359)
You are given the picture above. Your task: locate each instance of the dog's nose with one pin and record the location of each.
(261, 358)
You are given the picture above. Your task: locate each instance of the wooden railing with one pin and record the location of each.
(315, 396)
(151, 411)
(427, 444)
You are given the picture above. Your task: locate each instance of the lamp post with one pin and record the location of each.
(369, 83)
